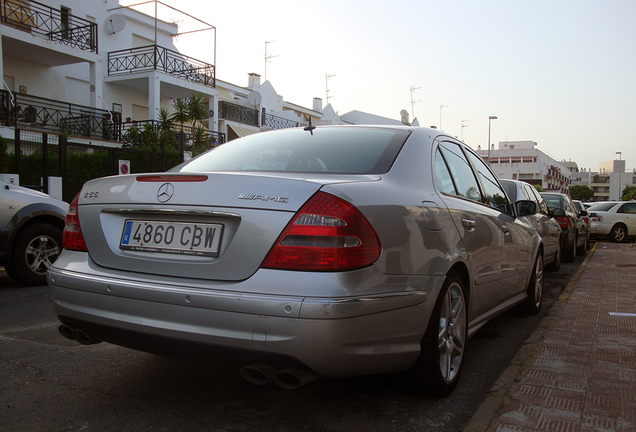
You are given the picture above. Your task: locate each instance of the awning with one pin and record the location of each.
(242, 131)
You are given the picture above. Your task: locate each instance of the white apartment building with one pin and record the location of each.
(92, 67)
(522, 160)
(608, 182)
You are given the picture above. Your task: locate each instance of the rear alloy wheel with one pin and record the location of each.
(34, 251)
(533, 303)
(439, 365)
(618, 233)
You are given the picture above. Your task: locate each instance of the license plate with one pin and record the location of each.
(182, 238)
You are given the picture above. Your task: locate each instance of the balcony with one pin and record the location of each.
(47, 115)
(52, 24)
(273, 122)
(153, 57)
(238, 113)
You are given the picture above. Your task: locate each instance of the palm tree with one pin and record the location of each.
(181, 114)
(197, 109)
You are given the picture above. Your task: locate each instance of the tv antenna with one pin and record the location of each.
(268, 57)
(463, 126)
(327, 77)
(413, 102)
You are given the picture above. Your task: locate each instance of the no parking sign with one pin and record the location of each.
(124, 167)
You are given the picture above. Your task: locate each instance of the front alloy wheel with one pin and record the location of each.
(34, 251)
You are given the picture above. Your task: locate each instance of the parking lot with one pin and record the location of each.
(49, 383)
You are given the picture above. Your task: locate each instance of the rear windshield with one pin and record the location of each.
(602, 206)
(340, 150)
(554, 201)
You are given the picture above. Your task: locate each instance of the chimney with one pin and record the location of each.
(317, 104)
(254, 81)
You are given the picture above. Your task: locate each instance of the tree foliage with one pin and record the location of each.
(581, 192)
(629, 193)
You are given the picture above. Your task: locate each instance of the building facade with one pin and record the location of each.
(521, 160)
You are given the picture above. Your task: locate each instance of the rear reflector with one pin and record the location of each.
(327, 234)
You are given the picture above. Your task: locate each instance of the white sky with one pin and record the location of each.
(558, 72)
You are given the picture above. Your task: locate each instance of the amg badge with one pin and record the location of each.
(254, 197)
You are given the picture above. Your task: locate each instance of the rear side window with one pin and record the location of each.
(494, 193)
(602, 206)
(466, 185)
(336, 150)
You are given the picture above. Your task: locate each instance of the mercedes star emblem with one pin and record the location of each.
(165, 192)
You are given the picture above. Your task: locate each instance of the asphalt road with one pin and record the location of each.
(48, 383)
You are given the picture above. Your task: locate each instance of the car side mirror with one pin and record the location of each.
(526, 208)
(583, 213)
(557, 212)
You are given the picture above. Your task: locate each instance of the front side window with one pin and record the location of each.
(465, 182)
(628, 208)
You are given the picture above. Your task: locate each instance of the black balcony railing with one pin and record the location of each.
(53, 24)
(237, 113)
(37, 113)
(47, 115)
(154, 57)
(134, 131)
(273, 122)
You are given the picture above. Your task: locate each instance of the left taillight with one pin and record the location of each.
(72, 237)
(327, 234)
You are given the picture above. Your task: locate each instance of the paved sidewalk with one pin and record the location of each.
(581, 373)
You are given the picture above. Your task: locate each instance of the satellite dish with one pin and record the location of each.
(254, 98)
(115, 23)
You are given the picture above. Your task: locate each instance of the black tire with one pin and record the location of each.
(618, 233)
(34, 250)
(438, 368)
(582, 250)
(555, 265)
(570, 253)
(532, 305)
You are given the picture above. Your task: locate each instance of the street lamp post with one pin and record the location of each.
(489, 120)
(620, 169)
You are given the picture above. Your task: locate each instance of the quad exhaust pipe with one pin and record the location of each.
(290, 378)
(77, 334)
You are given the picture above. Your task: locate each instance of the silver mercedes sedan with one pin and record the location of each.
(315, 252)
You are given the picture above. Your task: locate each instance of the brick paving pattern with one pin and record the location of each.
(583, 377)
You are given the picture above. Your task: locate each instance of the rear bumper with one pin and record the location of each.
(335, 336)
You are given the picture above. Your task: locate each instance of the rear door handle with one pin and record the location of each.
(469, 224)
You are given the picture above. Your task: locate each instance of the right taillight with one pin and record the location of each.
(327, 234)
(72, 237)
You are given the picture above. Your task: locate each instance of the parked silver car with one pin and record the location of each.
(541, 219)
(329, 251)
(31, 225)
